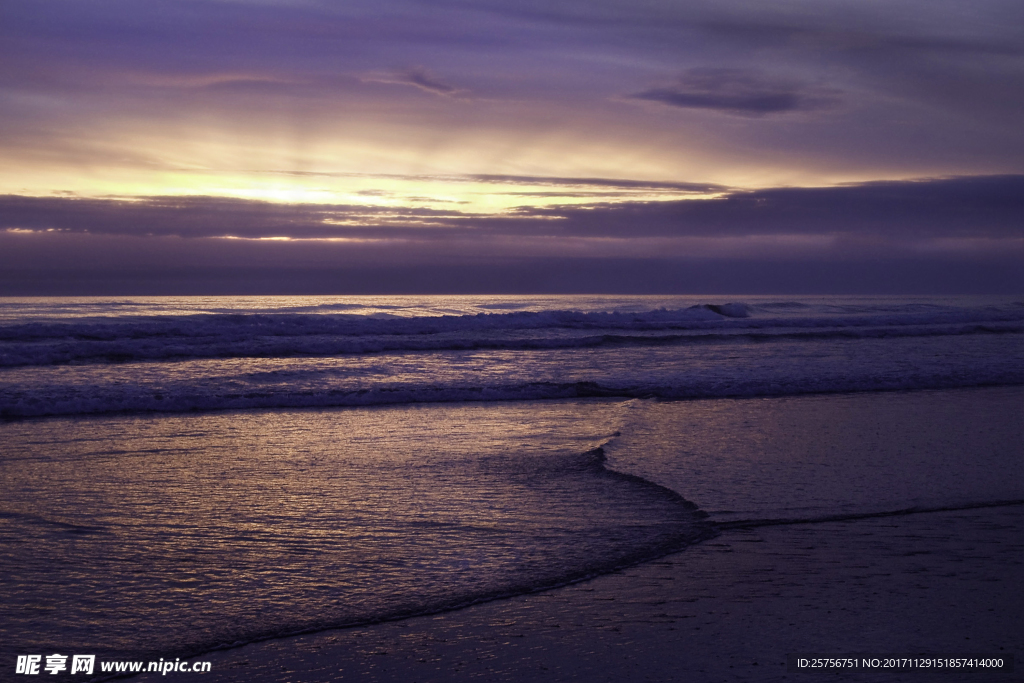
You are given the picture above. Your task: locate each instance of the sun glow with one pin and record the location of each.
(463, 194)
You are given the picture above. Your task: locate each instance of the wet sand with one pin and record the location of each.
(729, 609)
(941, 582)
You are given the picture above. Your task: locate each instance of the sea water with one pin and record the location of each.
(186, 474)
(86, 356)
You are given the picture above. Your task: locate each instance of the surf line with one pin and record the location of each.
(754, 523)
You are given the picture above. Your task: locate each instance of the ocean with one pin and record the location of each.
(187, 474)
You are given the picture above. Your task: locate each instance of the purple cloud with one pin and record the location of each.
(418, 77)
(989, 207)
(739, 92)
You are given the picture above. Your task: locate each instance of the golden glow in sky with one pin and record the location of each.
(701, 129)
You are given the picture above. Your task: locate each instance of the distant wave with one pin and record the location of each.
(237, 361)
(195, 398)
(263, 335)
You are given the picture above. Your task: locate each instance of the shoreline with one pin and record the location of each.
(818, 502)
(730, 608)
(879, 548)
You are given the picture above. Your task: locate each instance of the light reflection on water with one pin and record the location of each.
(63, 308)
(23, 309)
(136, 535)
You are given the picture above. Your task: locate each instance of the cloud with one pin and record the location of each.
(519, 180)
(975, 207)
(984, 209)
(966, 60)
(418, 77)
(198, 216)
(111, 265)
(424, 81)
(738, 92)
(931, 89)
(952, 235)
(854, 30)
(609, 183)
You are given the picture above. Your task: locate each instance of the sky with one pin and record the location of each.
(647, 146)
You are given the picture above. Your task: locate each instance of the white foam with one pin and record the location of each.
(246, 359)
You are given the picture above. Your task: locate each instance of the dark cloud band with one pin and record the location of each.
(967, 207)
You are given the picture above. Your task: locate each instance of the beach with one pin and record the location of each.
(432, 488)
(899, 580)
(730, 609)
